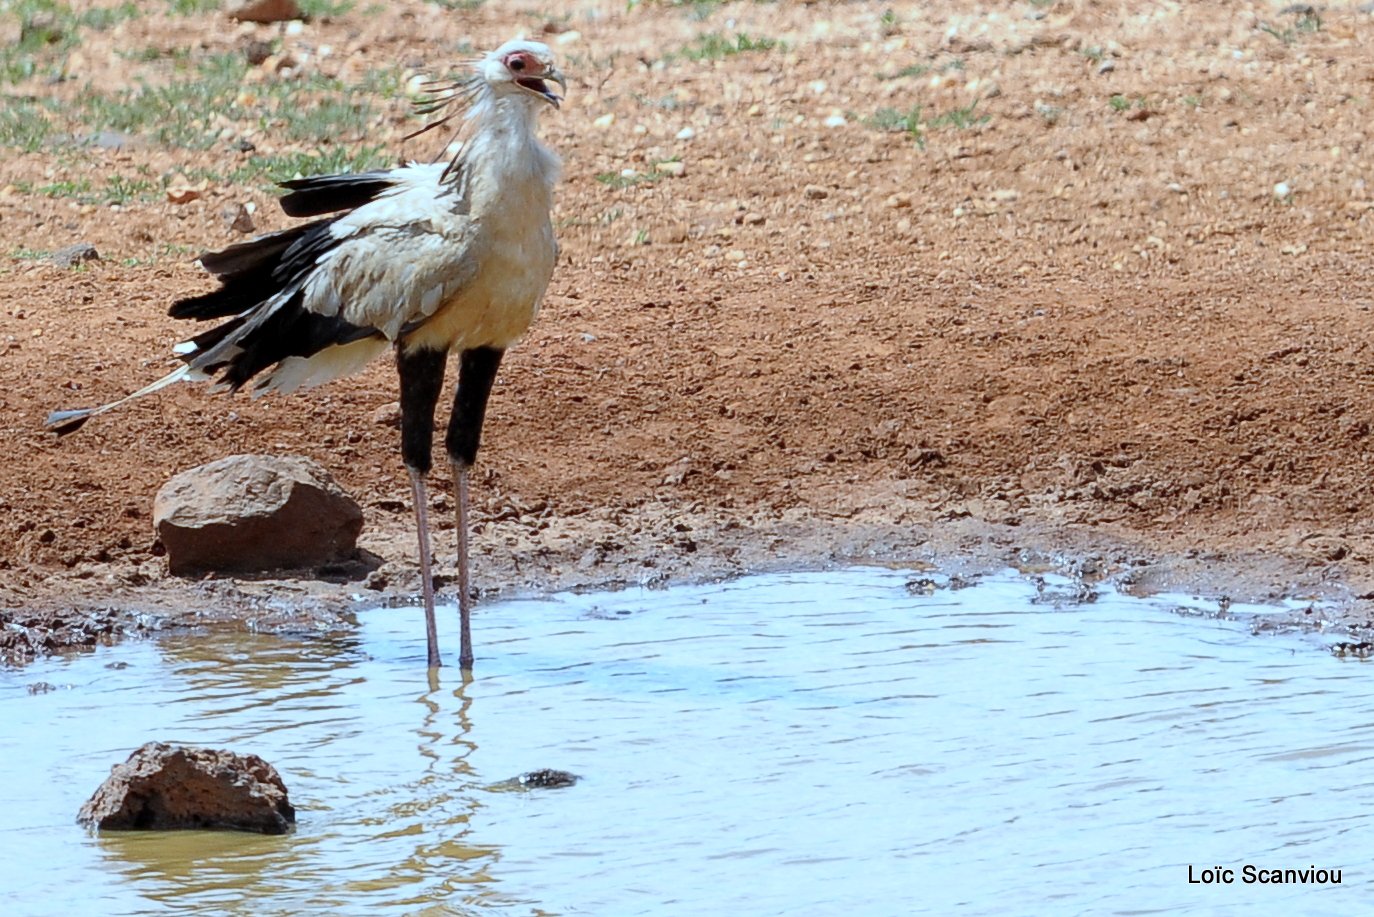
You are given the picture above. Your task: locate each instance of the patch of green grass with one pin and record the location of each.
(347, 117)
(324, 161)
(958, 118)
(48, 30)
(1050, 114)
(121, 190)
(192, 7)
(909, 70)
(914, 123)
(898, 122)
(164, 252)
(142, 55)
(1308, 22)
(1122, 103)
(116, 190)
(715, 46)
(102, 18)
(665, 103)
(186, 111)
(24, 124)
(699, 10)
(383, 81)
(326, 9)
(177, 114)
(956, 63)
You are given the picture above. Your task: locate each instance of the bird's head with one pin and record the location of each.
(523, 69)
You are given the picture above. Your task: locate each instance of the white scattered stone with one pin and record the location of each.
(605, 120)
(835, 121)
(687, 133)
(674, 167)
(1282, 191)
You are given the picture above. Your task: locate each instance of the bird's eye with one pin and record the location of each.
(517, 64)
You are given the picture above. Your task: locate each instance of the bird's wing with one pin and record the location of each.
(390, 263)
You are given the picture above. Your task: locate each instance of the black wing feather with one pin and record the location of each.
(252, 272)
(320, 194)
(290, 332)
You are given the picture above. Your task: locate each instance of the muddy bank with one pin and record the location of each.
(653, 547)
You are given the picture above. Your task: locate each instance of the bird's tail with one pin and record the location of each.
(63, 422)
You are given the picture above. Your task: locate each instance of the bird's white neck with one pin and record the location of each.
(503, 162)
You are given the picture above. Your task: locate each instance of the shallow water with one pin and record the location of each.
(787, 744)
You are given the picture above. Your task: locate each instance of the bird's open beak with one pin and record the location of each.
(536, 85)
(556, 76)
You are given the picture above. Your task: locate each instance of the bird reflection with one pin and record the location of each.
(385, 803)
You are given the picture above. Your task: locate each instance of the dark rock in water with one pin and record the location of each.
(543, 779)
(73, 255)
(163, 787)
(547, 779)
(252, 513)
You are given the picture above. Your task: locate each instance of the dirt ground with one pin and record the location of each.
(1081, 286)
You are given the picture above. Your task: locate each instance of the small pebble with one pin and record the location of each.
(388, 415)
(74, 254)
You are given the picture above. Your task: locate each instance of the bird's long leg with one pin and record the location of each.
(476, 374)
(422, 376)
(460, 487)
(417, 487)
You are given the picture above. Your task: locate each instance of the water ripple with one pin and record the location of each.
(790, 744)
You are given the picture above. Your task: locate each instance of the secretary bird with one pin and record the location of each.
(423, 259)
